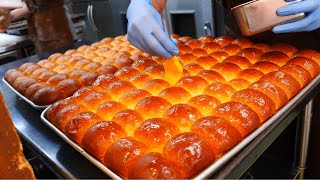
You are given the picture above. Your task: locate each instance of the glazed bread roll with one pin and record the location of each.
(123, 112)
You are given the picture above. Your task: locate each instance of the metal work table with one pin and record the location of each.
(66, 162)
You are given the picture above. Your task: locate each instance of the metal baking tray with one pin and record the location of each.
(78, 148)
(209, 171)
(41, 108)
(257, 16)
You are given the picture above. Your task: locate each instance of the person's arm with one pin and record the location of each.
(19, 13)
(310, 22)
(145, 28)
(4, 19)
(6, 16)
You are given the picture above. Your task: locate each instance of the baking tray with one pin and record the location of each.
(78, 148)
(209, 171)
(41, 108)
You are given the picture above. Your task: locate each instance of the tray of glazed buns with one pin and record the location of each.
(132, 123)
(61, 74)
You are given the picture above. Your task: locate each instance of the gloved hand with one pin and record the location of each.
(146, 31)
(310, 22)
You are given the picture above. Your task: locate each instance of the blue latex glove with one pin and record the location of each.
(146, 32)
(310, 22)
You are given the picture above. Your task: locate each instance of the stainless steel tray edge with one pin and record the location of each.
(23, 97)
(221, 161)
(78, 148)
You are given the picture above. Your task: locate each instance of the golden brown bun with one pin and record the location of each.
(78, 125)
(156, 132)
(56, 79)
(46, 76)
(242, 62)
(37, 73)
(185, 38)
(183, 48)
(206, 61)
(123, 62)
(263, 47)
(25, 84)
(108, 61)
(231, 49)
(68, 86)
(93, 66)
(65, 114)
(34, 88)
(118, 88)
(243, 42)
(88, 78)
(206, 39)
(128, 119)
(194, 84)
(132, 97)
(100, 136)
(308, 53)
(93, 100)
(257, 101)
(121, 155)
(143, 64)
(210, 47)
(224, 40)
(175, 95)
(308, 64)
(276, 57)
(251, 75)
(221, 91)
(285, 48)
(193, 68)
(186, 58)
(239, 84)
(56, 107)
(54, 56)
(46, 96)
(298, 72)
(126, 73)
(265, 66)
(211, 76)
(204, 103)
(154, 165)
(182, 115)
(193, 43)
(155, 86)
(218, 132)
(152, 107)
(107, 69)
(283, 80)
(76, 74)
(238, 115)
(103, 81)
(199, 52)
(158, 59)
(277, 95)
(108, 109)
(189, 152)
(227, 70)
(252, 54)
(138, 80)
(12, 74)
(219, 55)
(156, 71)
